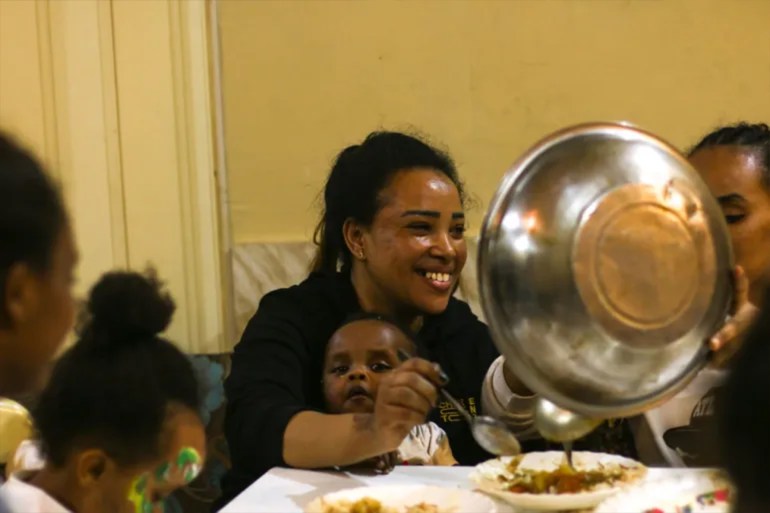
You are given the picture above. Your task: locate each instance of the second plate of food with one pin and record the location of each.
(402, 499)
(543, 481)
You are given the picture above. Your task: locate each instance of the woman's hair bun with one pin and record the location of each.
(129, 304)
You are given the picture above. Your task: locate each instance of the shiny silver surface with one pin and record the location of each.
(494, 436)
(604, 266)
(559, 425)
(491, 434)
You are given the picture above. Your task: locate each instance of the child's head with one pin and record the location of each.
(358, 354)
(119, 417)
(37, 259)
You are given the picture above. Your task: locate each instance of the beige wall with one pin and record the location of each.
(114, 95)
(304, 78)
(21, 88)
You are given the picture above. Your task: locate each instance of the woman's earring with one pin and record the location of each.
(361, 254)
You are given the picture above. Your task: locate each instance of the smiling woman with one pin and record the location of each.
(391, 241)
(414, 249)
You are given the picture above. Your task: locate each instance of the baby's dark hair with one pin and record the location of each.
(32, 213)
(114, 387)
(752, 136)
(743, 411)
(385, 319)
(354, 185)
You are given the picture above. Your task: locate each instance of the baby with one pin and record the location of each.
(358, 354)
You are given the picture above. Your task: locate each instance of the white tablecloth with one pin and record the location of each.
(288, 490)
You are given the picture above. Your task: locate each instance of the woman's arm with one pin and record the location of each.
(266, 385)
(317, 440)
(508, 400)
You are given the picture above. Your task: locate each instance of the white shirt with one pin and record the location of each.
(426, 444)
(676, 412)
(18, 496)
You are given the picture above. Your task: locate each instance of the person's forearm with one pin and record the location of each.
(318, 440)
(512, 407)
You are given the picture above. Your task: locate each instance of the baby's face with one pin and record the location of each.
(357, 357)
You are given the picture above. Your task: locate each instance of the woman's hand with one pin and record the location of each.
(404, 398)
(728, 339)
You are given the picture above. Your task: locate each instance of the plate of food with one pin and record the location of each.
(543, 480)
(402, 499)
(703, 492)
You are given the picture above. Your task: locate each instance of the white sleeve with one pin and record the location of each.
(438, 448)
(435, 437)
(497, 400)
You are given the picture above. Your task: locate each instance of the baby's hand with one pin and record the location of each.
(385, 463)
(381, 464)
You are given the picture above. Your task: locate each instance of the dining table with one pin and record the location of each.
(284, 490)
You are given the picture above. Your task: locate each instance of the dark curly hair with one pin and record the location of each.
(113, 388)
(752, 136)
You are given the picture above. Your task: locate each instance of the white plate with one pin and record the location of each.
(399, 497)
(671, 495)
(486, 478)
